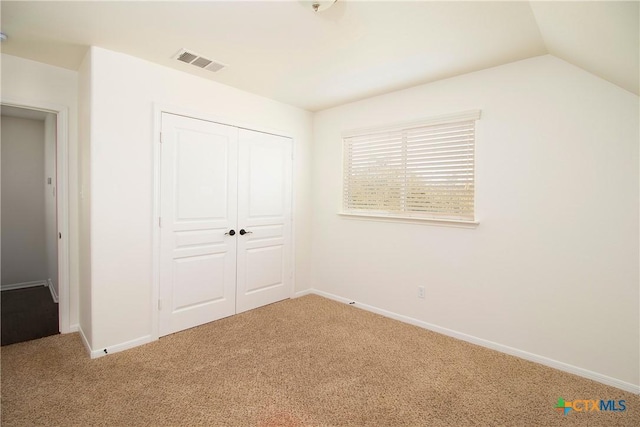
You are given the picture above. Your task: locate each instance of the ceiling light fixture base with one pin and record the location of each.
(321, 5)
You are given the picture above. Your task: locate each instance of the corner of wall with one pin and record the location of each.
(84, 160)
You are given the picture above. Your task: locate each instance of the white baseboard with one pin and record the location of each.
(74, 328)
(561, 366)
(23, 285)
(94, 354)
(52, 289)
(85, 342)
(303, 293)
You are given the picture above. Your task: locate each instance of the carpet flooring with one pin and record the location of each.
(308, 361)
(28, 314)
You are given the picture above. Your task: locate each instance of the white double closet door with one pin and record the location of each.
(225, 233)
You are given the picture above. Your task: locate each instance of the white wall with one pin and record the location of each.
(552, 269)
(123, 92)
(50, 189)
(27, 81)
(23, 202)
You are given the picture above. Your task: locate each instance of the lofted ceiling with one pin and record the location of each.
(355, 49)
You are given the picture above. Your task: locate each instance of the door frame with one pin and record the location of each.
(62, 205)
(158, 110)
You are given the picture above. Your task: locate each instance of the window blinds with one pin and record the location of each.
(423, 171)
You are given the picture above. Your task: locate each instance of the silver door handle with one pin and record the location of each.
(243, 232)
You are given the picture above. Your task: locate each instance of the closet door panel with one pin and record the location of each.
(264, 213)
(198, 205)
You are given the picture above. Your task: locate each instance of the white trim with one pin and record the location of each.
(84, 340)
(561, 366)
(177, 110)
(410, 219)
(442, 119)
(74, 328)
(22, 285)
(52, 289)
(294, 197)
(62, 168)
(121, 347)
(303, 293)
(94, 354)
(155, 227)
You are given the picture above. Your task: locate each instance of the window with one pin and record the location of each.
(422, 170)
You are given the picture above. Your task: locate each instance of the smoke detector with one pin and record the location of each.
(197, 60)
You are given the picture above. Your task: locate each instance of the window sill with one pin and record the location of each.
(411, 220)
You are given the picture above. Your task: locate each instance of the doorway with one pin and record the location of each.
(31, 265)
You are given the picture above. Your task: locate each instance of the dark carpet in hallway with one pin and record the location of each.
(28, 314)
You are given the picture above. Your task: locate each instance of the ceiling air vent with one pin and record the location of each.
(199, 61)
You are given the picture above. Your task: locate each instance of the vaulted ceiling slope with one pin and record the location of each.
(355, 49)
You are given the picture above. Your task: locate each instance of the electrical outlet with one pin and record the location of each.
(420, 291)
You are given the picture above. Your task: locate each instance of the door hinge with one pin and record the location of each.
(160, 137)
(159, 222)
(159, 305)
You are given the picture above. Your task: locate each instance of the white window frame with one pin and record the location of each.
(472, 115)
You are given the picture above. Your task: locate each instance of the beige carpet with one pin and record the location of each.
(308, 361)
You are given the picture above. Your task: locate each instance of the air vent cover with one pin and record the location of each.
(199, 61)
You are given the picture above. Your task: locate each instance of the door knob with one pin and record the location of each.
(231, 232)
(242, 232)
